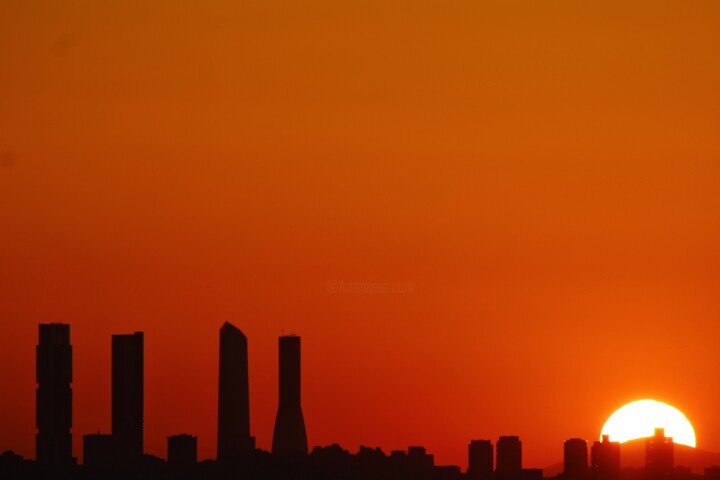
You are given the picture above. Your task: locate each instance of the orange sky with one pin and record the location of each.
(545, 174)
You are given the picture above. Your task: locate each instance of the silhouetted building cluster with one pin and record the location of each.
(123, 449)
(120, 454)
(507, 462)
(124, 445)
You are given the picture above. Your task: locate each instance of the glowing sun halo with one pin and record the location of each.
(639, 419)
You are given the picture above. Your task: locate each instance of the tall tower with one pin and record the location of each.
(575, 459)
(54, 395)
(290, 438)
(605, 459)
(480, 460)
(127, 396)
(234, 438)
(509, 457)
(659, 454)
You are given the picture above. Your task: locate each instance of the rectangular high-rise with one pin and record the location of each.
(54, 395)
(234, 439)
(575, 459)
(508, 459)
(127, 396)
(605, 459)
(480, 460)
(659, 454)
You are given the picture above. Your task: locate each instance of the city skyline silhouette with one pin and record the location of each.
(121, 452)
(54, 354)
(484, 219)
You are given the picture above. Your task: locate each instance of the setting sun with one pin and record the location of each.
(639, 419)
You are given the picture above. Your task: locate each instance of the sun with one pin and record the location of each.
(639, 419)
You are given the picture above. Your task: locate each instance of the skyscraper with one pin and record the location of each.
(509, 457)
(605, 459)
(480, 460)
(575, 459)
(54, 395)
(290, 438)
(659, 454)
(234, 395)
(127, 396)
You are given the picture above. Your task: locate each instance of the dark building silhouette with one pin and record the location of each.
(182, 450)
(370, 461)
(234, 439)
(509, 456)
(98, 450)
(683, 473)
(418, 459)
(446, 472)
(334, 458)
(659, 452)
(531, 474)
(120, 454)
(54, 395)
(712, 473)
(127, 396)
(289, 437)
(605, 459)
(575, 459)
(398, 457)
(480, 460)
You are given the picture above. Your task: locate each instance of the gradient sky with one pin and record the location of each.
(545, 174)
